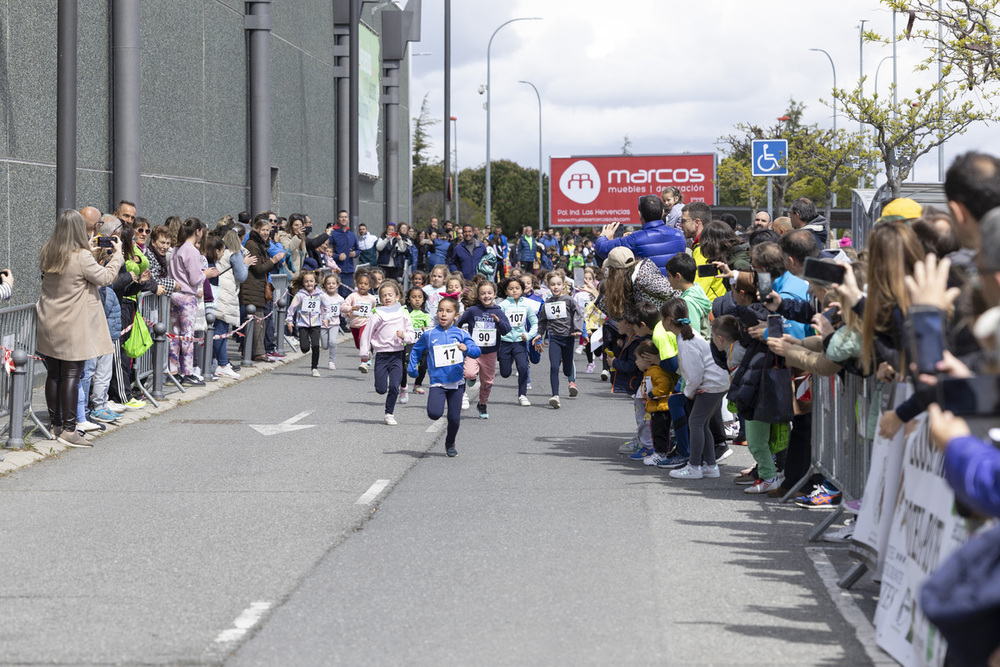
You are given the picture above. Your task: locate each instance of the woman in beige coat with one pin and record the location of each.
(72, 327)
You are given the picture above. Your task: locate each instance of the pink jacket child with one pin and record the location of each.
(379, 334)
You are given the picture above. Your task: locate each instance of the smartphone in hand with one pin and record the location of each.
(708, 271)
(775, 326)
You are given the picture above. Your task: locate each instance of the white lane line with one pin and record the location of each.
(246, 620)
(437, 426)
(372, 493)
(848, 608)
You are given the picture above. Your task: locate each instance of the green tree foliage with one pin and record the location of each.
(421, 140)
(819, 163)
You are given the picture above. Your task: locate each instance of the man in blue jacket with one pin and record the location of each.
(655, 240)
(345, 248)
(466, 254)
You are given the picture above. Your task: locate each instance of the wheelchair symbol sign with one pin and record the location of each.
(769, 157)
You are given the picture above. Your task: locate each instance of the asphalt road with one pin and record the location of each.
(192, 538)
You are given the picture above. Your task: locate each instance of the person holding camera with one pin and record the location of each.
(71, 323)
(6, 284)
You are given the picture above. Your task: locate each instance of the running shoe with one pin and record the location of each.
(523, 401)
(605, 375)
(629, 447)
(104, 415)
(672, 462)
(687, 472)
(187, 380)
(590, 367)
(762, 486)
(641, 453)
(227, 371)
(404, 398)
(465, 401)
(528, 385)
(747, 478)
(276, 355)
(118, 408)
(483, 414)
(418, 389)
(710, 471)
(573, 391)
(73, 439)
(821, 498)
(554, 402)
(653, 459)
(363, 367)
(87, 426)
(136, 404)
(450, 450)
(315, 373)
(390, 420)
(722, 452)
(331, 366)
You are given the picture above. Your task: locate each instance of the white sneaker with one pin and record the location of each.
(117, 407)
(315, 373)
(404, 398)
(687, 472)
(87, 426)
(653, 459)
(523, 401)
(197, 373)
(762, 486)
(363, 367)
(390, 420)
(227, 371)
(554, 402)
(465, 401)
(710, 471)
(332, 366)
(605, 375)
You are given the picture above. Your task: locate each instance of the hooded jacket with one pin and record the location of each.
(655, 240)
(476, 314)
(445, 375)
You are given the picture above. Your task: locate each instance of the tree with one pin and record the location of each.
(902, 133)
(421, 140)
(969, 41)
(627, 145)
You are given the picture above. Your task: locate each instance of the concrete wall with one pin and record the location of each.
(194, 121)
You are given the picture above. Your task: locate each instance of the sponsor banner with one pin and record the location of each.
(369, 87)
(593, 191)
(923, 531)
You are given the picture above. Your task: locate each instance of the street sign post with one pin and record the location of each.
(769, 157)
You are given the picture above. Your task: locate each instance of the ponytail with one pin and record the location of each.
(676, 310)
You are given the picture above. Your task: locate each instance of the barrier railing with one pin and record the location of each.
(149, 307)
(17, 332)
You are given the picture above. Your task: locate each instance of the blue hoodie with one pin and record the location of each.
(477, 315)
(436, 337)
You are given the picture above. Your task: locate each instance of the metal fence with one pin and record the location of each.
(149, 308)
(17, 332)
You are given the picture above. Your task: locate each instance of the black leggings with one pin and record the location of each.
(62, 388)
(310, 336)
(437, 397)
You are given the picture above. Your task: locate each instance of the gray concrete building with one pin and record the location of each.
(194, 124)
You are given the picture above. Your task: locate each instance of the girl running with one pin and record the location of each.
(447, 346)
(705, 385)
(306, 313)
(486, 321)
(433, 291)
(561, 320)
(421, 322)
(360, 305)
(387, 333)
(332, 303)
(514, 344)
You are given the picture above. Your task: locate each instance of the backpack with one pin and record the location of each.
(488, 264)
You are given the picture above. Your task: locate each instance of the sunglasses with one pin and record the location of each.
(142, 230)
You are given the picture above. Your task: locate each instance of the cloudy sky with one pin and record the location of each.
(673, 76)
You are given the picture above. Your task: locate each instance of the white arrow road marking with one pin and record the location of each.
(372, 493)
(286, 426)
(246, 620)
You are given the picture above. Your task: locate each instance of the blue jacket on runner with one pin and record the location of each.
(655, 241)
(438, 336)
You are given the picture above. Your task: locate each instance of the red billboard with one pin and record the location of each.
(589, 191)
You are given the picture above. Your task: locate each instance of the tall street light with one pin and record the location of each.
(834, 68)
(878, 68)
(489, 198)
(454, 120)
(541, 216)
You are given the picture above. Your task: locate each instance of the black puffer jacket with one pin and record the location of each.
(746, 380)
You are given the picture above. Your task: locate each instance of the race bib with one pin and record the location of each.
(647, 385)
(363, 310)
(517, 317)
(485, 334)
(555, 310)
(333, 311)
(311, 306)
(447, 355)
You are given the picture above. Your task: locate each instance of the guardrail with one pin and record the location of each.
(17, 333)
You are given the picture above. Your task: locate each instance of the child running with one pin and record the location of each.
(421, 322)
(434, 290)
(360, 305)
(486, 321)
(332, 303)
(306, 312)
(447, 347)
(561, 320)
(705, 385)
(523, 328)
(387, 333)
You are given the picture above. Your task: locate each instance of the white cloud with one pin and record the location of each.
(673, 76)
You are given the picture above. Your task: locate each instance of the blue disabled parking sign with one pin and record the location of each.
(769, 157)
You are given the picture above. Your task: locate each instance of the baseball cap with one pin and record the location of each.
(619, 258)
(903, 208)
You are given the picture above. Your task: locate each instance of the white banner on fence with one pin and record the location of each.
(872, 528)
(923, 531)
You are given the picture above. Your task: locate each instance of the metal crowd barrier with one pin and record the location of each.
(17, 332)
(149, 307)
(164, 317)
(279, 282)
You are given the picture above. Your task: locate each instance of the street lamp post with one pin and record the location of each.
(489, 202)
(541, 215)
(455, 121)
(861, 83)
(834, 68)
(877, 70)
